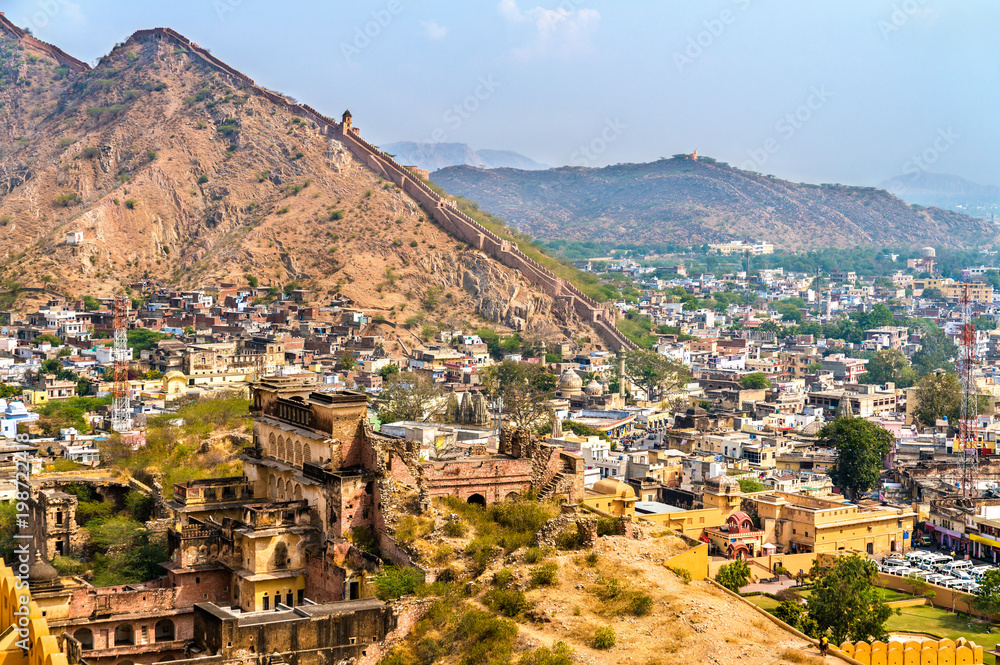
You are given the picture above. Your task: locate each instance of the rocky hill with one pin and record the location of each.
(434, 156)
(176, 168)
(950, 192)
(687, 201)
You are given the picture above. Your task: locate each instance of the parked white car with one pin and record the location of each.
(956, 566)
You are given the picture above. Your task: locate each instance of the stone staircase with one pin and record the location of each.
(549, 488)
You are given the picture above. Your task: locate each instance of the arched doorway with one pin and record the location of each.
(511, 497)
(124, 634)
(477, 499)
(85, 637)
(163, 631)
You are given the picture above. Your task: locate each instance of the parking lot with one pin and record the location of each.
(937, 568)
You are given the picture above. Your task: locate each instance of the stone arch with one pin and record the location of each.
(298, 492)
(124, 634)
(281, 489)
(513, 496)
(281, 448)
(272, 488)
(306, 454)
(271, 443)
(298, 453)
(477, 499)
(163, 631)
(85, 637)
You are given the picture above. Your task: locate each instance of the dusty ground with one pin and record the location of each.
(690, 623)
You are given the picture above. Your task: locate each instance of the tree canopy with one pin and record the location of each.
(890, 365)
(755, 381)
(734, 575)
(937, 351)
(654, 373)
(408, 396)
(861, 446)
(525, 389)
(938, 396)
(846, 602)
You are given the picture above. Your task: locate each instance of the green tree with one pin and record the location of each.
(984, 323)
(846, 602)
(188, 330)
(393, 582)
(388, 370)
(143, 339)
(408, 396)
(861, 446)
(654, 373)
(8, 527)
(755, 381)
(734, 576)
(790, 612)
(8, 390)
(988, 598)
(937, 351)
(346, 362)
(938, 396)
(890, 365)
(525, 389)
(90, 303)
(750, 485)
(932, 293)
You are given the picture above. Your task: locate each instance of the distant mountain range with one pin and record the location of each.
(951, 192)
(434, 156)
(690, 202)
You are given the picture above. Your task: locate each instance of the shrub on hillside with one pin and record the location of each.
(507, 602)
(604, 638)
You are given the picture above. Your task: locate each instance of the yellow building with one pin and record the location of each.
(612, 497)
(797, 523)
(978, 291)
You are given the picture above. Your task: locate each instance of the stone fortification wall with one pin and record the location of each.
(53, 52)
(443, 211)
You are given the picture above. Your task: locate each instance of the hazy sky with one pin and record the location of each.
(850, 91)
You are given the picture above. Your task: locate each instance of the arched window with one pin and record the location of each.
(270, 445)
(124, 634)
(306, 454)
(272, 487)
(85, 637)
(281, 489)
(163, 631)
(281, 448)
(298, 453)
(298, 492)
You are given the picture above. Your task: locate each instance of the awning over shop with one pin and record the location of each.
(985, 540)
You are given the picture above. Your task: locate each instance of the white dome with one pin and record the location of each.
(16, 409)
(570, 380)
(594, 389)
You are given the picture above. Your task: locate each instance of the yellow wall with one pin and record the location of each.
(695, 561)
(44, 649)
(257, 590)
(691, 523)
(611, 504)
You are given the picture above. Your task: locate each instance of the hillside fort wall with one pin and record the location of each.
(443, 211)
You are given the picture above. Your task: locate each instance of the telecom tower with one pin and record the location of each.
(968, 446)
(121, 409)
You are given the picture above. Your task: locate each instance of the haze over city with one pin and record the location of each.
(852, 92)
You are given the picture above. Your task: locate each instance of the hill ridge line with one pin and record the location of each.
(57, 53)
(461, 226)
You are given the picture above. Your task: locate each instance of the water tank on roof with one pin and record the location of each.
(927, 252)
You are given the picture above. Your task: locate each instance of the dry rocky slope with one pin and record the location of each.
(177, 168)
(684, 201)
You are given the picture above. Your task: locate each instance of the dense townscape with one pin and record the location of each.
(223, 441)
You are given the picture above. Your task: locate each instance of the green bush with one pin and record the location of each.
(607, 526)
(336, 215)
(604, 638)
(683, 573)
(545, 574)
(91, 510)
(364, 540)
(640, 605)
(734, 575)
(503, 577)
(66, 200)
(559, 654)
(455, 528)
(507, 602)
(591, 559)
(569, 538)
(202, 179)
(533, 555)
(393, 582)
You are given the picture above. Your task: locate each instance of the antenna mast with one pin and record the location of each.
(121, 409)
(967, 443)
